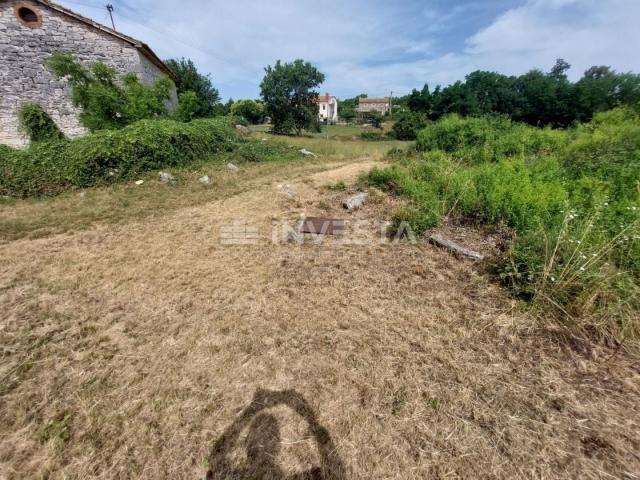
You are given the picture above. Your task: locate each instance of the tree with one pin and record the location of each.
(250, 110)
(420, 101)
(106, 101)
(289, 97)
(190, 80)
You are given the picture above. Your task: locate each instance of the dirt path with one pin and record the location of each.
(154, 350)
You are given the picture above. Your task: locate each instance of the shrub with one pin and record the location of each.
(107, 102)
(36, 123)
(108, 155)
(407, 126)
(188, 106)
(373, 136)
(573, 199)
(487, 139)
(250, 110)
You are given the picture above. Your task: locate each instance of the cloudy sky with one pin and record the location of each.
(378, 46)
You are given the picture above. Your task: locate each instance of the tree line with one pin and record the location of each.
(536, 98)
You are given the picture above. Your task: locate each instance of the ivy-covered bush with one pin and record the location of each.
(36, 123)
(109, 102)
(109, 155)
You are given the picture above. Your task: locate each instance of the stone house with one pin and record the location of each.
(30, 31)
(327, 108)
(382, 105)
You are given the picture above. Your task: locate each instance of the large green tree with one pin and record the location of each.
(289, 95)
(190, 80)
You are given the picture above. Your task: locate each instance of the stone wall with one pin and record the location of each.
(24, 77)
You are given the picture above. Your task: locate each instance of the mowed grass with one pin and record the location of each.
(340, 144)
(144, 347)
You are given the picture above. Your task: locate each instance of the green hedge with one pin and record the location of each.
(108, 155)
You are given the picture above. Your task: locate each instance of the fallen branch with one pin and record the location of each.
(454, 247)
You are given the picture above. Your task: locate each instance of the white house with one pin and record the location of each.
(327, 108)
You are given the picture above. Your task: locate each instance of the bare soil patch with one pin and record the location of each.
(150, 349)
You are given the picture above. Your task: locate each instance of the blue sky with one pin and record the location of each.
(378, 46)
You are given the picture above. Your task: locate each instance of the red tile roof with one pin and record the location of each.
(325, 98)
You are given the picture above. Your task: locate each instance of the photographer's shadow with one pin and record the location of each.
(262, 443)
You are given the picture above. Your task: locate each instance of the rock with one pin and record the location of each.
(355, 201)
(287, 190)
(454, 247)
(82, 194)
(243, 130)
(205, 180)
(166, 177)
(231, 167)
(307, 153)
(139, 182)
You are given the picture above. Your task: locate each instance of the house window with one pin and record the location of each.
(28, 15)
(324, 107)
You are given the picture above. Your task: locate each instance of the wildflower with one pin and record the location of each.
(582, 269)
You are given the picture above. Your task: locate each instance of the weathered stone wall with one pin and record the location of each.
(24, 77)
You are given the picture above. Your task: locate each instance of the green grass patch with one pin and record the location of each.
(573, 197)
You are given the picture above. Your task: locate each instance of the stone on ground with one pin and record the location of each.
(307, 153)
(166, 177)
(243, 130)
(354, 202)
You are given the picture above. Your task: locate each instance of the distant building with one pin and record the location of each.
(30, 31)
(382, 105)
(327, 108)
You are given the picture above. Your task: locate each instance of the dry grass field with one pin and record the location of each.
(137, 343)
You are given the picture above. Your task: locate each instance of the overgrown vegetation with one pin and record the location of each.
(110, 155)
(109, 103)
(36, 123)
(572, 197)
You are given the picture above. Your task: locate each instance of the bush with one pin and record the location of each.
(407, 126)
(108, 102)
(36, 123)
(373, 136)
(486, 139)
(573, 199)
(188, 106)
(108, 155)
(250, 110)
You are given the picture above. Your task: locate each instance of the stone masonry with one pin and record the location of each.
(25, 47)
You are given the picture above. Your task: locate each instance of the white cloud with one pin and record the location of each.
(375, 46)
